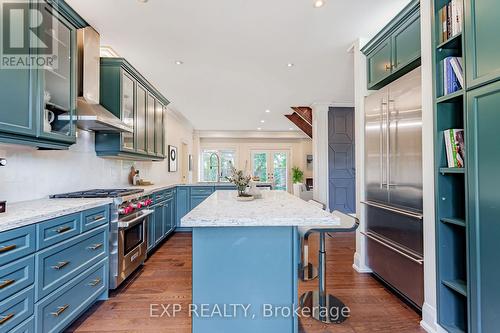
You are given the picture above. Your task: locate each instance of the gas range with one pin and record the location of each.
(128, 228)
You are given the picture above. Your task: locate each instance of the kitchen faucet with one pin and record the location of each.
(219, 167)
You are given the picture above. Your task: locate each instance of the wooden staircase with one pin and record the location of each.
(302, 118)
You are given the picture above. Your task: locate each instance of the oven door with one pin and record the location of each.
(132, 243)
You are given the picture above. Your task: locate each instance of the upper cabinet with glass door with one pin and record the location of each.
(58, 79)
(129, 96)
(40, 97)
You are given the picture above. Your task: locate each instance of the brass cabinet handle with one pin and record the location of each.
(388, 67)
(95, 282)
(62, 229)
(95, 246)
(60, 265)
(4, 319)
(60, 309)
(6, 283)
(98, 217)
(7, 248)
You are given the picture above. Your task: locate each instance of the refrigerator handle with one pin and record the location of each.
(381, 138)
(392, 248)
(388, 144)
(393, 210)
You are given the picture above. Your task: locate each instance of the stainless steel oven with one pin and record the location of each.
(132, 243)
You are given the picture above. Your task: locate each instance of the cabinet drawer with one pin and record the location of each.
(58, 264)
(58, 310)
(17, 243)
(54, 231)
(201, 190)
(95, 217)
(161, 196)
(16, 276)
(16, 309)
(27, 327)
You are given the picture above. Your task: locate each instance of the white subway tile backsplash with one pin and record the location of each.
(33, 174)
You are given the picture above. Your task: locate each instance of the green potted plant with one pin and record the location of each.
(297, 175)
(241, 181)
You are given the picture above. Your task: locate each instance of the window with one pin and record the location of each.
(209, 164)
(271, 166)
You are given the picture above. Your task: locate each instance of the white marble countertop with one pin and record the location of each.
(276, 208)
(20, 214)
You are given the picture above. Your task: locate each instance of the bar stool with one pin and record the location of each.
(307, 271)
(324, 307)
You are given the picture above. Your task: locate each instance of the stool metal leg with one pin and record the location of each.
(307, 271)
(325, 308)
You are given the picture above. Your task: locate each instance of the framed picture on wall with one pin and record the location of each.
(172, 158)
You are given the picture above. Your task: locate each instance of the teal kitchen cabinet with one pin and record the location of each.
(40, 104)
(199, 194)
(482, 42)
(182, 203)
(159, 134)
(406, 42)
(379, 63)
(482, 147)
(129, 96)
(62, 274)
(151, 232)
(158, 222)
(395, 50)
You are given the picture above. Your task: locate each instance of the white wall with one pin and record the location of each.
(429, 309)
(360, 92)
(33, 174)
(298, 148)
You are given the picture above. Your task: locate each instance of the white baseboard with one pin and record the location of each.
(358, 267)
(429, 319)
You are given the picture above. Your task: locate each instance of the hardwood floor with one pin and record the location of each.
(166, 279)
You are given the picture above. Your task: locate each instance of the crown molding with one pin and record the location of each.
(296, 135)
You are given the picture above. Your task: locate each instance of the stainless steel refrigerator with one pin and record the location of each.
(393, 162)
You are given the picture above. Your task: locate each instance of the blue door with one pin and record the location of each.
(341, 162)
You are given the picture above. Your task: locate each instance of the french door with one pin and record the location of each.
(271, 166)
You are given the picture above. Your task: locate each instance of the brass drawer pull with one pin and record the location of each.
(95, 282)
(62, 229)
(60, 310)
(98, 217)
(7, 248)
(6, 283)
(4, 319)
(61, 265)
(95, 246)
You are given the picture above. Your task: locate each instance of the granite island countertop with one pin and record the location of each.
(24, 213)
(276, 208)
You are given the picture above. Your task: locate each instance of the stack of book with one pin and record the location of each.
(450, 19)
(455, 148)
(453, 74)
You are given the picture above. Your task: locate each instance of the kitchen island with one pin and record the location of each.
(245, 261)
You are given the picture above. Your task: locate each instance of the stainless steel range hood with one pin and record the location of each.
(90, 114)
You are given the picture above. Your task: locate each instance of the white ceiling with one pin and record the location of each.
(235, 52)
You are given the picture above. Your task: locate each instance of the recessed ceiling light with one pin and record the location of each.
(318, 3)
(143, 1)
(291, 128)
(259, 128)
(262, 121)
(267, 111)
(178, 62)
(290, 64)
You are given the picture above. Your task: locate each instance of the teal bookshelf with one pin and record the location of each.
(451, 191)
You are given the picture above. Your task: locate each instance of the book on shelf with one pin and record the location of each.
(455, 148)
(450, 20)
(453, 74)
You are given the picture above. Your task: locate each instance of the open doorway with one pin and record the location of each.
(341, 160)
